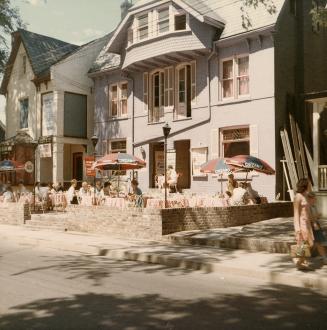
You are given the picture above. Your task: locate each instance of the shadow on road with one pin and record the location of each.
(269, 307)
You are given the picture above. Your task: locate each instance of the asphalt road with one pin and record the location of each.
(43, 288)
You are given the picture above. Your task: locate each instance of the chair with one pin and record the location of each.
(175, 184)
(139, 201)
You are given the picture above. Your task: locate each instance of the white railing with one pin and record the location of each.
(322, 174)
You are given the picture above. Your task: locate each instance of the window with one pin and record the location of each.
(235, 77)
(118, 97)
(180, 22)
(23, 114)
(156, 113)
(186, 90)
(143, 27)
(146, 90)
(235, 141)
(163, 20)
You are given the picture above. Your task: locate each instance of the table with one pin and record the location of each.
(159, 203)
(118, 202)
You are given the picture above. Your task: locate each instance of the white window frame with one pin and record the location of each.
(158, 21)
(151, 99)
(146, 96)
(180, 12)
(117, 150)
(137, 18)
(119, 100)
(222, 141)
(235, 78)
(169, 89)
(130, 33)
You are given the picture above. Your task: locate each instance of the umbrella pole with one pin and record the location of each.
(221, 183)
(246, 178)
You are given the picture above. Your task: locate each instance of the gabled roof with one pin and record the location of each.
(41, 50)
(105, 61)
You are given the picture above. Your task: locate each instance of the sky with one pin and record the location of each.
(74, 21)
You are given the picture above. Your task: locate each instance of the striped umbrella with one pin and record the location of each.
(119, 162)
(218, 166)
(251, 163)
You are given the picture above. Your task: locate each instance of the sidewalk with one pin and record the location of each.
(274, 268)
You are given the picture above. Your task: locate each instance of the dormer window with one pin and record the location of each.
(143, 27)
(180, 22)
(163, 20)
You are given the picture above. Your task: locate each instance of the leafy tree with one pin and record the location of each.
(9, 21)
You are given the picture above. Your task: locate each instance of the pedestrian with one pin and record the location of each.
(302, 221)
(71, 193)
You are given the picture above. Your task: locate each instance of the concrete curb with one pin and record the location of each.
(291, 278)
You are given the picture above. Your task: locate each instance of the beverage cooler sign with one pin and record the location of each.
(45, 150)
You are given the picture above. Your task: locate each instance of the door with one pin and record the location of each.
(158, 96)
(184, 92)
(78, 166)
(157, 162)
(183, 163)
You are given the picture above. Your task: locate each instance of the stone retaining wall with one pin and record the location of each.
(153, 223)
(14, 213)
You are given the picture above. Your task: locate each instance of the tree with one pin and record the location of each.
(9, 21)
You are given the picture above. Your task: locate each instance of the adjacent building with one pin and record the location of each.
(49, 106)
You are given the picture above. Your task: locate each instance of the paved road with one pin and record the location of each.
(48, 288)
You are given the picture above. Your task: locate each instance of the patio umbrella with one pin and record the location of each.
(11, 165)
(119, 162)
(218, 166)
(250, 163)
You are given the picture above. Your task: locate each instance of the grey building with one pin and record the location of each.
(223, 88)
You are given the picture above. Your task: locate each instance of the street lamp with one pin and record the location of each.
(166, 130)
(94, 140)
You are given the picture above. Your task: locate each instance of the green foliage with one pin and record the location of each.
(319, 14)
(9, 21)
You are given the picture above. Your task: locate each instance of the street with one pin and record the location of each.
(50, 288)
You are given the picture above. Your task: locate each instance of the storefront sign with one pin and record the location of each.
(48, 119)
(29, 167)
(199, 157)
(45, 150)
(89, 160)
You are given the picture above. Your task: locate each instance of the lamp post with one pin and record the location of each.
(166, 130)
(94, 140)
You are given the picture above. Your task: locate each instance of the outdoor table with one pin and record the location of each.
(118, 202)
(159, 203)
(86, 200)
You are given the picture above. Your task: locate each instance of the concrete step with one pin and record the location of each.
(40, 227)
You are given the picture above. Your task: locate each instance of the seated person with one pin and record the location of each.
(21, 190)
(253, 194)
(8, 195)
(44, 191)
(172, 176)
(84, 191)
(106, 190)
(136, 193)
(239, 196)
(231, 183)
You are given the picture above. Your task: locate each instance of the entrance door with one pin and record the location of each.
(184, 92)
(157, 162)
(183, 163)
(78, 166)
(158, 96)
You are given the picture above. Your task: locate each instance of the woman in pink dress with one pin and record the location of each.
(302, 220)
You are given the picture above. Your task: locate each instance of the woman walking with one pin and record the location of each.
(302, 221)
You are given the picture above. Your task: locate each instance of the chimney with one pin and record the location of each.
(124, 8)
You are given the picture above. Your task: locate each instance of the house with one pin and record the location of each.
(223, 88)
(49, 105)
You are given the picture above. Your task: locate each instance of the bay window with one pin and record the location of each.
(118, 96)
(235, 79)
(163, 20)
(143, 27)
(180, 22)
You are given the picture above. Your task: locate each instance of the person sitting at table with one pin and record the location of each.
(239, 196)
(44, 191)
(71, 193)
(84, 191)
(231, 183)
(21, 189)
(253, 194)
(8, 195)
(106, 190)
(172, 177)
(136, 195)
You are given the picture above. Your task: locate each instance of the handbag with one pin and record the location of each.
(301, 250)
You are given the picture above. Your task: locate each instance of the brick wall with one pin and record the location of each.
(174, 220)
(153, 223)
(14, 213)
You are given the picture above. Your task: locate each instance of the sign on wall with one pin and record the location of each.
(45, 150)
(159, 157)
(89, 160)
(199, 157)
(48, 119)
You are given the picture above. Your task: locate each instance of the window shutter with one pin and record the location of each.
(254, 141)
(214, 150)
(193, 81)
(146, 91)
(150, 97)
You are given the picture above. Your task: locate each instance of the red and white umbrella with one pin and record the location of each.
(119, 162)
